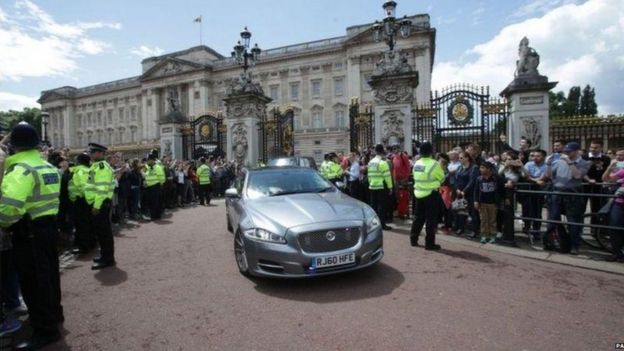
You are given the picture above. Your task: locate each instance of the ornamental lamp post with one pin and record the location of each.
(45, 118)
(390, 27)
(240, 54)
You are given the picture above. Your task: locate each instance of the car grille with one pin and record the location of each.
(318, 241)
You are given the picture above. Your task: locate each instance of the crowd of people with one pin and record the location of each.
(476, 183)
(46, 193)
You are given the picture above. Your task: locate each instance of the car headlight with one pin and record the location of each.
(372, 221)
(264, 235)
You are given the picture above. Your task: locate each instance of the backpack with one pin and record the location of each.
(557, 238)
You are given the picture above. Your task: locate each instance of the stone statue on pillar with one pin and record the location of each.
(528, 93)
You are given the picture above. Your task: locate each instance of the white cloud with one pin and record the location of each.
(539, 7)
(144, 51)
(578, 45)
(33, 44)
(10, 101)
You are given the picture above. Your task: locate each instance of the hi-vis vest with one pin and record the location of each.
(323, 169)
(333, 171)
(152, 175)
(78, 182)
(378, 172)
(31, 186)
(203, 174)
(100, 184)
(428, 176)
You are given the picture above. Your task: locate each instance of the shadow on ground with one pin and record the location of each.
(111, 276)
(375, 281)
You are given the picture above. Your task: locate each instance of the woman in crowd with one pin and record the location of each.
(135, 182)
(464, 185)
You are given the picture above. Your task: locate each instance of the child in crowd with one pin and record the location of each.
(486, 200)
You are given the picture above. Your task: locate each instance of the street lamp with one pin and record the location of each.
(390, 27)
(241, 55)
(45, 117)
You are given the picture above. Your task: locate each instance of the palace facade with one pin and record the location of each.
(318, 79)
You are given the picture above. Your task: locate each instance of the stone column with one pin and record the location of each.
(69, 125)
(154, 115)
(393, 84)
(353, 73)
(528, 94)
(245, 108)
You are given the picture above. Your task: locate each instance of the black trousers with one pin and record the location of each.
(37, 264)
(153, 201)
(427, 212)
(204, 193)
(379, 203)
(101, 226)
(84, 237)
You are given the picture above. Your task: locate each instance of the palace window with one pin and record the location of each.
(316, 88)
(110, 116)
(274, 92)
(339, 86)
(339, 117)
(121, 114)
(294, 91)
(317, 119)
(99, 118)
(133, 113)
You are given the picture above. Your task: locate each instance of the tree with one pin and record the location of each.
(588, 106)
(573, 102)
(31, 116)
(557, 103)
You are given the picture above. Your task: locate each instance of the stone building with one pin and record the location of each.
(318, 79)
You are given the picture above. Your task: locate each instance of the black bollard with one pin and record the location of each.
(508, 223)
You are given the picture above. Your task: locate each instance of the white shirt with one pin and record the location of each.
(354, 171)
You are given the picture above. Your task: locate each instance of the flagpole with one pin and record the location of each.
(200, 30)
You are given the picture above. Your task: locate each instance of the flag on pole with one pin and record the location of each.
(197, 19)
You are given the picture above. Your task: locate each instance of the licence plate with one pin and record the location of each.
(334, 260)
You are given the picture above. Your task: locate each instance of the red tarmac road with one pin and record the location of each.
(176, 287)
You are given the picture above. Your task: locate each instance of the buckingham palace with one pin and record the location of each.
(317, 80)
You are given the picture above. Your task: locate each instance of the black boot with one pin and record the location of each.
(38, 341)
(414, 241)
(433, 247)
(101, 264)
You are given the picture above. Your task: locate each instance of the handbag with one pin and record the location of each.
(459, 205)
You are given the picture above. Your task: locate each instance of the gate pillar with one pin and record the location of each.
(171, 136)
(393, 84)
(528, 94)
(245, 108)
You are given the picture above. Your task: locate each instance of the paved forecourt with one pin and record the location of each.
(176, 287)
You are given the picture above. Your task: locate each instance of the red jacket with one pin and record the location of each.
(400, 166)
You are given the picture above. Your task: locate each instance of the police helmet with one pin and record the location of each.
(24, 135)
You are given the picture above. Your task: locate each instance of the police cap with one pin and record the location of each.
(426, 149)
(93, 147)
(24, 135)
(331, 155)
(379, 149)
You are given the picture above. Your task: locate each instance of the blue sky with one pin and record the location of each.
(51, 43)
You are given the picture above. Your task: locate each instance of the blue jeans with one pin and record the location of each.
(616, 219)
(574, 209)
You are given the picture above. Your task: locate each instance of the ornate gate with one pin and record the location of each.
(461, 114)
(277, 134)
(361, 126)
(208, 137)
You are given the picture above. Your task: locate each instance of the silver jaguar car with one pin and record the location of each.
(290, 222)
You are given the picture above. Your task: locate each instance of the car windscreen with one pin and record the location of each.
(288, 181)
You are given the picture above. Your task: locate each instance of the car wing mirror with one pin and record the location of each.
(232, 193)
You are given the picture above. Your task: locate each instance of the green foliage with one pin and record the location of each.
(10, 118)
(588, 106)
(575, 104)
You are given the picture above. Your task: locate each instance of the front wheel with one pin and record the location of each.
(240, 254)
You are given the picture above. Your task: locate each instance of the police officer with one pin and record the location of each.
(333, 171)
(28, 208)
(380, 184)
(162, 179)
(324, 166)
(99, 194)
(152, 187)
(428, 176)
(84, 239)
(204, 175)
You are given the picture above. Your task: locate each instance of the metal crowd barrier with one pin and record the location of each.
(510, 205)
